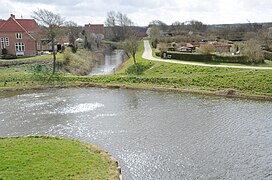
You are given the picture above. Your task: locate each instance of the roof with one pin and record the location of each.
(28, 24)
(2, 22)
(18, 25)
(95, 28)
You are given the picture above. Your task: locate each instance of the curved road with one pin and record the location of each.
(148, 55)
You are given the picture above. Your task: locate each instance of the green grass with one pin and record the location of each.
(51, 158)
(160, 75)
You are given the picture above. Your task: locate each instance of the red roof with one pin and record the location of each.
(95, 28)
(18, 25)
(2, 22)
(28, 24)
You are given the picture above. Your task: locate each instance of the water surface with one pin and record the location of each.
(154, 135)
(108, 64)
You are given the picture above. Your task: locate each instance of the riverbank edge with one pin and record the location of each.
(225, 93)
(115, 169)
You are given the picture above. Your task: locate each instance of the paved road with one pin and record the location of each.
(148, 55)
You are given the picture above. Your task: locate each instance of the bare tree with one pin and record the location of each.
(72, 31)
(197, 25)
(120, 25)
(155, 34)
(253, 51)
(178, 27)
(50, 23)
(130, 46)
(159, 24)
(111, 19)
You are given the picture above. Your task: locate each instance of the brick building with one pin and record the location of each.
(19, 36)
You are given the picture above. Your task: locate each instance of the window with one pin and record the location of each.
(2, 43)
(19, 46)
(7, 41)
(19, 36)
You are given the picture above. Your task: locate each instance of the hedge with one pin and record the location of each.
(207, 58)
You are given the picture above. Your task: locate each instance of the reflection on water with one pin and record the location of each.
(154, 135)
(108, 64)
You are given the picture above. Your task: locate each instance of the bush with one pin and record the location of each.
(79, 63)
(206, 49)
(231, 59)
(253, 51)
(190, 56)
(208, 57)
(4, 52)
(73, 47)
(268, 55)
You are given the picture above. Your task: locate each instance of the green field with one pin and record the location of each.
(189, 78)
(53, 158)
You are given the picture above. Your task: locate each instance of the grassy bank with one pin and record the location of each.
(53, 158)
(214, 80)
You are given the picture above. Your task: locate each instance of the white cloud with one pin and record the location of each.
(144, 11)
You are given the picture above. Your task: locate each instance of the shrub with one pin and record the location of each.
(4, 51)
(206, 49)
(190, 56)
(9, 56)
(154, 43)
(253, 51)
(268, 55)
(73, 47)
(79, 63)
(208, 57)
(230, 59)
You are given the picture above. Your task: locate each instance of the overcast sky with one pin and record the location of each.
(141, 12)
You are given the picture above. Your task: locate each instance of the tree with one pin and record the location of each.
(178, 27)
(119, 24)
(50, 24)
(197, 25)
(159, 24)
(253, 51)
(72, 31)
(130, 46)
(111, 19)
(155, 34)
(266, 38)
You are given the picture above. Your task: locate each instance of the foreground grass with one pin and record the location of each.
(52, 158)
(188, 78)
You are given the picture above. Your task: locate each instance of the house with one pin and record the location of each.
(141, 32)
(218, 46)
(94, 28)
(19, 37)
(93, 35)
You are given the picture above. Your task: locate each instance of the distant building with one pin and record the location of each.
(218, 46)
(94, 28)
(141, 32)
(93, 35)
(19, 36)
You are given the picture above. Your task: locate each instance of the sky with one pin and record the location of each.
(142, 12)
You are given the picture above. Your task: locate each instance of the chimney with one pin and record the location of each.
(12, 15)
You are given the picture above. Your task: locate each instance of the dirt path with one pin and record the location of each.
(148, 55)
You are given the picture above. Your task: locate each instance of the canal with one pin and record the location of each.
(108, 63)
(154, 135)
